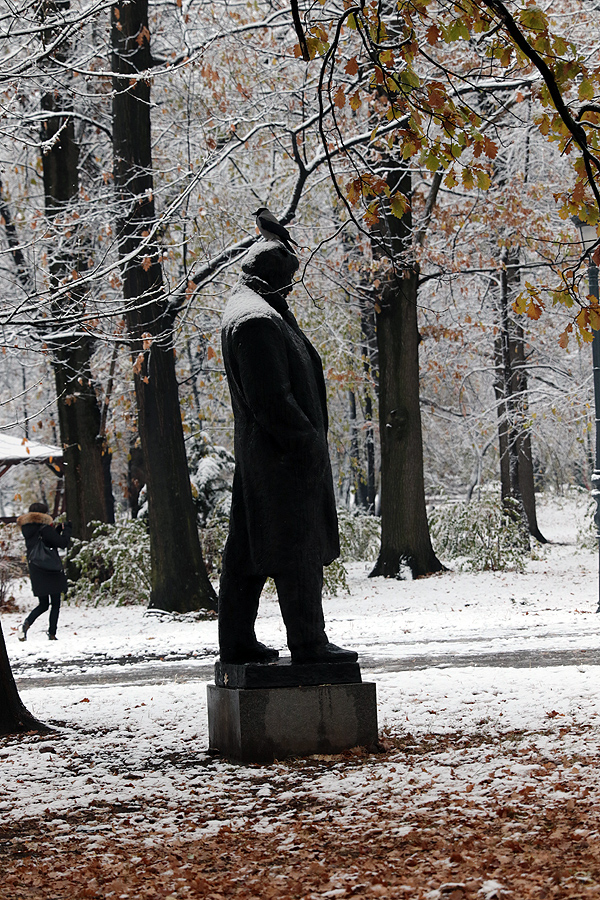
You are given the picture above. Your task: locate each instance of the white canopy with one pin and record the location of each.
(14, 450)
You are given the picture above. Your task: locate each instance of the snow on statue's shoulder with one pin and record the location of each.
(244, 305)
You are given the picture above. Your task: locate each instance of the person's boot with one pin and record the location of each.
(22, 633)
(52, 637)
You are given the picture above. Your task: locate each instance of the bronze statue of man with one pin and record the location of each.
(283, 517)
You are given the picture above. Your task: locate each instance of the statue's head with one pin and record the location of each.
(271, 262)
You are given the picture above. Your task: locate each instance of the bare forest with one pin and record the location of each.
(428, 159)
(437, 163)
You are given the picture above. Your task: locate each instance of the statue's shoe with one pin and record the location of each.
(255, 653)
(326, 653)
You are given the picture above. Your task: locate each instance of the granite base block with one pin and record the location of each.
(264, 724)
(284, 673)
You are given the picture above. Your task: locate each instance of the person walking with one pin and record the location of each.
(48, 579)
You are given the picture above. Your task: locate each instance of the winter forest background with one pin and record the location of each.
(419, 155)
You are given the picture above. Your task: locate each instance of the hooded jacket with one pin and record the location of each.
(32, 524)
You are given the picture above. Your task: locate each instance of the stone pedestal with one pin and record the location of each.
(284, 673)
(317, 712)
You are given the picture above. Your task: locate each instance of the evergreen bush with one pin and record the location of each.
(360, 536)
(211, 474)
(13, 563)
(479, 536)
(113, 567)
(587, 533)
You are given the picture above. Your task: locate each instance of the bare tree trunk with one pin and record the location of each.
(510, 385)
(87, 476)
(14, 717)
(405, 536)
(136, 477)
(370, 366)
(362, 462)
(84, 449)
(404, 529)
(179, 579)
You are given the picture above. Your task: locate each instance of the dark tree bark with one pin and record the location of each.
(358, 465)
(179, 579)
(362, 451)
(136, 477)
(405, 536)
(510, 386)
(14, 244)
(362, 462)
(86, 459)
(370, 367)
(14, 717)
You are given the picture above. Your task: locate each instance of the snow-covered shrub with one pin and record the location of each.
(12, 563)
(360, 536)
(211, 478)
(211, 474)
(113, 567)
(587, 533)
(335, 578)
(212, 538)
(478, 536)
(359, 540)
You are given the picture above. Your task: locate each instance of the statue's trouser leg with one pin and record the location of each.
(301, 604)
(239, 595)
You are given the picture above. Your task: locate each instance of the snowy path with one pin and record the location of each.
(69, 674)
(489, 709)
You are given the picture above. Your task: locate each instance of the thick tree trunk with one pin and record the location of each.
(405, 536)
(362, 452)
(179, 579)
(86, 459)
(370, 366)
(404, 529)
(510, 386)
(362, 456)
(136, 477)
(14, 717)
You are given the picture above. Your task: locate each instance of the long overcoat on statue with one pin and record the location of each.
(283, 512)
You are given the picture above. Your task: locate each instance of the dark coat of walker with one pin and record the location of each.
(283, 512)
(32, 524)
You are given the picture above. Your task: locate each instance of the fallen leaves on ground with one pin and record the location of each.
(489, 837)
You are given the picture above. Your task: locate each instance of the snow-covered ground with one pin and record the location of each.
(488, 674)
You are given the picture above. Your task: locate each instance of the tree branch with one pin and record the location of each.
(299, 31)
(575, 128)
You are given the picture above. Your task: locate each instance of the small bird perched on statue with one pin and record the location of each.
(272, 229)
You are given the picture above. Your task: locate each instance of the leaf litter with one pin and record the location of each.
(485, 784)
